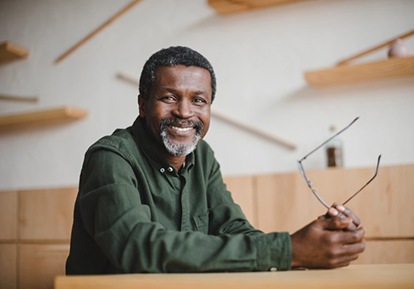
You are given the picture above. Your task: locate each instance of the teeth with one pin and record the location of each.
(182, 128)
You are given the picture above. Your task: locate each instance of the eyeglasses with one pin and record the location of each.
(309, 182)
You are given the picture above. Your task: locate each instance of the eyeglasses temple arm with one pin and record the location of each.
(363, 187)
(309, 183)
(329, 139)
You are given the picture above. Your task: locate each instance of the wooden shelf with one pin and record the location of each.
(346, 72)
(231, 6)
(382, 69)
(42, 117)
(10, 52)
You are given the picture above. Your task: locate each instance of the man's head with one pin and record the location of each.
(173, 56)
(177, 87)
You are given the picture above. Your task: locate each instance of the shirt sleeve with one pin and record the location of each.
(117, 220)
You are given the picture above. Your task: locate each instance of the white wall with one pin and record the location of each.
(259, 57)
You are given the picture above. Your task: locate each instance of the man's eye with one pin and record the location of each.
(199, 101)
(168, 99)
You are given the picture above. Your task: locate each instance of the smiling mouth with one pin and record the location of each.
(180, 127)
(183, 131)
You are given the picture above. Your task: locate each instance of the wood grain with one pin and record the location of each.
(8, 216)
(243, 193)
(355, 276)
(376, 70)
(46, 214)
(375, 48)
(231, 6)
(10, 52)
(8, 266)
(387, 252)
(285, 202)
(41, 117)
(96, 31)
(40, 263)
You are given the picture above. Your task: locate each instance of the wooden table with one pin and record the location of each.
(352, 277)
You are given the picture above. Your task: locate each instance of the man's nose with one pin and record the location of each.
(184, 109)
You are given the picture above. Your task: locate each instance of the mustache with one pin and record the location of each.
(181, 122)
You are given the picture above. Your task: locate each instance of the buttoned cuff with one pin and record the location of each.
(274, 252)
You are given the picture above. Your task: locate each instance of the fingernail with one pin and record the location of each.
(333, 212)
(341, 208)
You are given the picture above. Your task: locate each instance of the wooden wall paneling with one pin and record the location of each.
(393, 215)
(8, 266)
(279, 207)
(40, 263)
(46, 214)
(387, 252)
(8, 216)
(243, 192)
(382, 206)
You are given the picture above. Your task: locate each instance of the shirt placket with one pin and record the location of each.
(185, 206)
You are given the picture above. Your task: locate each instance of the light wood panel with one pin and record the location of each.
(40, 263)
(231, 6)
(8, 216)
(46, 214)
(41, 117)
(381, 69)
(8, 97)
(356, 276)
(243, 192)
(97, 30)
(8, 266)
(387, 252)
(10, 51)
(285, 202)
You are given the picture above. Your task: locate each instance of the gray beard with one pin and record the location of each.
(179, 149)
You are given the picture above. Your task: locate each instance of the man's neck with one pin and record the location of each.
(176, 162)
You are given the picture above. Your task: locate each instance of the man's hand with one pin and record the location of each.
(331, 241)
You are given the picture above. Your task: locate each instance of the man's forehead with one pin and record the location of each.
(182, 72)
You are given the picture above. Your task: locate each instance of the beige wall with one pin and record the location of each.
(259, 57)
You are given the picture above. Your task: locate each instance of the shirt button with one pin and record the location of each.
(162, 170)
(273, 269)
(170, 169)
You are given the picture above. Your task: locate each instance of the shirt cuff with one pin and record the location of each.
(274, 252)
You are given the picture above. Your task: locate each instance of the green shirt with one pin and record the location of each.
(135, 213)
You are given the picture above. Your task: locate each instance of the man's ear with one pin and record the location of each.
(141, 106)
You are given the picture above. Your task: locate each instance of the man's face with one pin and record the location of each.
(177, 111)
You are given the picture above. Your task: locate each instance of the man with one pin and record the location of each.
(152, 199)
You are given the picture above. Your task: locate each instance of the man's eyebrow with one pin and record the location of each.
(197, 92)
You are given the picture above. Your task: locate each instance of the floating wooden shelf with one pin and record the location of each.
(10, 52)
(42, 117)
(230, 6)
(8, 97)
(382, 69)
(346, 72)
